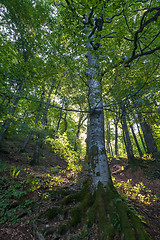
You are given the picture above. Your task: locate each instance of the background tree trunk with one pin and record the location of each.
(141, 138)
(116, 137)
(127, 139)
(11, 111)
(135, 139)
(148, 136)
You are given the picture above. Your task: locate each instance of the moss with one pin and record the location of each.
(99, 213)
(76, 216)
(126, 227)
(51, 213)
(62, 229)
(71, 198)
(59, 193)
(92, 153)
(140, 232)
(110, 213)
(86, 200)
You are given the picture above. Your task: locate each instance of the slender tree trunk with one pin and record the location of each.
(116, 137)
(44, 119)
(111, 150)
(60, 116)
(38, 146)
(14, 104)
(148, 136)
(35, 158)
(128, 143)
(136, 142)
(11, 111)
(65, 122)
(135, 139)
(35, 123)
(141, 138)
(108, 138)
(80, 123)
(78, 131)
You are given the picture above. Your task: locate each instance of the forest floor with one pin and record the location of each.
(32, 197)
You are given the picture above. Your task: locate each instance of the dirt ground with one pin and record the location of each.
(31, 224)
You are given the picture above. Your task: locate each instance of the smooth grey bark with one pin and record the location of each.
(97, 158)
(127, 139)
(148, 136)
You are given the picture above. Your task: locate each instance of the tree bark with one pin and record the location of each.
(148, 136)
(35, 123)
(11, 111)
(97, 158)
(38, 146)
(65, 122)
(60, 116)
(141, 138)
(135, 139)
(127, 140)
(108, 138)
(80, 123)
(116, 137)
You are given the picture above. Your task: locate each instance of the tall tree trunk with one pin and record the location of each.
(80, 123)
(60, 116)
(148, 136)
(20, 81)
(141, 138)
(44, 119)
(135, 139)
(11, 111)
(38, 146)
(65, 122)
(116, 137)
(35, 158)
(35, 123)
(100, 204)
(108, 138)
(128, 143)
(78, 131)
(97, 158)
(111, 150)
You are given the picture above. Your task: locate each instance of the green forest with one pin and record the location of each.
(79, 120)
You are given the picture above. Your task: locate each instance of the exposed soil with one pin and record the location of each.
(49, 192)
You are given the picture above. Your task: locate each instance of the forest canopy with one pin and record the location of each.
(84, 78)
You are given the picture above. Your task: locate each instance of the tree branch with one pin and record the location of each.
(143, 25)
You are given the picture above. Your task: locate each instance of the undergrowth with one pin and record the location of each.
(138, 191)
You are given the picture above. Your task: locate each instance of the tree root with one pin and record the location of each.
(109, 212)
